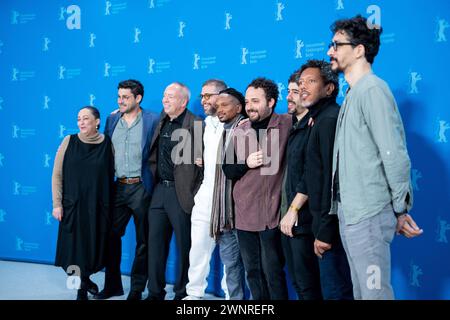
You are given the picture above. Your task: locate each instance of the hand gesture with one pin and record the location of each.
(407, 226)
(255, 159)
(199, 162)
(288, 222)
(320, 247)
(58, 213)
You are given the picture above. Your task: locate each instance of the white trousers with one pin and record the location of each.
(202, 247)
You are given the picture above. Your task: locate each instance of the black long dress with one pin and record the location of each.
(88, 173)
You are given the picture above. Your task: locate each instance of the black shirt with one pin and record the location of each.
(165, 146)
(318, 170)
(295, 166)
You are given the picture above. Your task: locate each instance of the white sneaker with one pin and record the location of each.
(192, 298)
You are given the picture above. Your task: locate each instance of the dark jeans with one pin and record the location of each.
(335, 274)
(232, 260)
(263, 259)
(166, 216)
(302, 266)
(130, 200)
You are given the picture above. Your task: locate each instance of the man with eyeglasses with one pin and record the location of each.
(131, 131)
(176, 144)
(202, 244)
(371, 186)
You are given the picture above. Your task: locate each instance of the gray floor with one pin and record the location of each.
(30, 281)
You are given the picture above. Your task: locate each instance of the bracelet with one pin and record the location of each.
(294, 208)
(399, 214)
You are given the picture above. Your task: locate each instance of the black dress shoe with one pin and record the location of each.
(106, 294)
(153, 298)
(134, 295)
(82, 294)
(90, 286)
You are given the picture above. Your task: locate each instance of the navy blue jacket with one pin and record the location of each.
(150, 122)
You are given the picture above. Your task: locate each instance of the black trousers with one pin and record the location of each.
(130, 200)
(263, 259)
(166, 216)
(302, 266)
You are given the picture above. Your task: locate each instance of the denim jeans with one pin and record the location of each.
(234, 267)
(367, 244)
(335, 276)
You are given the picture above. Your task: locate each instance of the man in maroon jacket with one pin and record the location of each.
(257, 172)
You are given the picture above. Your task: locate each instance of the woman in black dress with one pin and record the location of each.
(82, 184)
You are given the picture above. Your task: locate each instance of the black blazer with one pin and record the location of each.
(318, 171)
(188, 176)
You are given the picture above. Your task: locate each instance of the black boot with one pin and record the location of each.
(91, 287)
(82, 294)
(88, 285)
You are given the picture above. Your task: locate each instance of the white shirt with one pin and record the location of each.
(211, 138)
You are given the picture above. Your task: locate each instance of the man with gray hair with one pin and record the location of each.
(177, 180)
(202, 245)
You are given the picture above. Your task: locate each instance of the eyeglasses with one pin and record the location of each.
(206, 96)
(335, 45)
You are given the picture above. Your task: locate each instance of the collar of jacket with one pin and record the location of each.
(320, 105)
(179, 119)
(274, 121)
(303, 123)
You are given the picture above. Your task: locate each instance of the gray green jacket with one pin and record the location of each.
(374, 166)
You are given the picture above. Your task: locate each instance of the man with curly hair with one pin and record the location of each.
(259, 149)
(371, 186)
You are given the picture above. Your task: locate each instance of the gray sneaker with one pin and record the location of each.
(192, 298)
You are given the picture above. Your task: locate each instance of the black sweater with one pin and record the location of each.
(318, 170)
(295, 166)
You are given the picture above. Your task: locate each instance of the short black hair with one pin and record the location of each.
(135, 86)
(269, 86)
(327, 74)
(294, 77)
(360, 31)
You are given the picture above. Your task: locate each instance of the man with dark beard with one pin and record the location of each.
(296, 224)
(202, 245)
(258, 176)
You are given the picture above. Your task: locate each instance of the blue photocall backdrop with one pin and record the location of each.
(57, 56)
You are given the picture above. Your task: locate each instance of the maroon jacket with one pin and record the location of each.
(257, 195)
